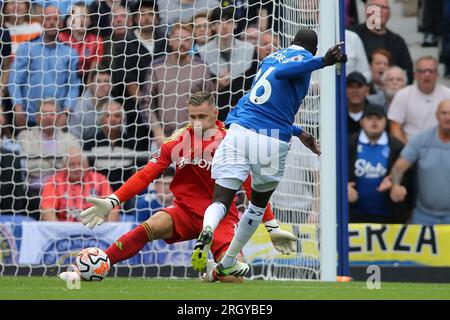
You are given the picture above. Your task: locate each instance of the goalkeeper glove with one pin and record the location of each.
(96, 214)
(283, 241)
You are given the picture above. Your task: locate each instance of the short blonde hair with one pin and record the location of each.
(200, 97)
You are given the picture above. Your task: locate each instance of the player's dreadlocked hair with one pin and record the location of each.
(201, 97)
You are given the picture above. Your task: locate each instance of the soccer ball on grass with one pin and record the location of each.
(92, 264)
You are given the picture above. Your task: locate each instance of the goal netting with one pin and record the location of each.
(110, 83)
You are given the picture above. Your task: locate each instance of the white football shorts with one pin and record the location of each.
(243, 152)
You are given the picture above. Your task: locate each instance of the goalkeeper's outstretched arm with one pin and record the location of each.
(96, 214)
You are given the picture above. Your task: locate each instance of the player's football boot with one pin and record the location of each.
(69, 276)
(210, 274)
(201, 248)
(239, 269)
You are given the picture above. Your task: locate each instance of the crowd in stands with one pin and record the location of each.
(90, 88)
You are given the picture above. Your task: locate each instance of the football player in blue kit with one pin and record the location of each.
(257, 142)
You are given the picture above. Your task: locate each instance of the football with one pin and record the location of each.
(92, 264)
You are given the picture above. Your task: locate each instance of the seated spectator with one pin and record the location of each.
(172, 80)
(43, 146)
(78, 34)
(64, 194)
(44, 68)
(413, 108)
(172, 12)
(84, 120)
(376, 36)
(430, 150)
(229, 60)
(113, 149)
(157, 197)
(12, 195)
(372, 153)
(356, 54)
(393, 80)
(202, 30)
(17, 18)
(380, 61)
(357, 91)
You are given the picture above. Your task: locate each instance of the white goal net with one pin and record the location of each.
(90, 89)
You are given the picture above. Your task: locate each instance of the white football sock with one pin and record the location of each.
(214, 214)
(248, 224)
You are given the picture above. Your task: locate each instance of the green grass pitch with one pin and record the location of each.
(172, 289)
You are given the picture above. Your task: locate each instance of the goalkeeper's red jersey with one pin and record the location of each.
(192, 185)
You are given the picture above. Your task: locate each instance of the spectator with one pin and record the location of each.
(132, 58)
(356, 54)
(17, 18)
(43, 146)
(44, 68)
(131, 63)
(430, 12)
(113, 141)
(78, 34)
(229, 60)
(251, 34)
(351, 13)
(84, 121)
(372, 153)
(157, 197)
(261, 13)
(430, 150)
(172, 81)
(64, 194)
(414, 107)
(268, 43)
(445, 48)
(120, 23)
(102, 15)
(393, 80)
(202, 31)
(357, 91)
(182, 11)
(380, 61)
(376, 36)
(11, 183)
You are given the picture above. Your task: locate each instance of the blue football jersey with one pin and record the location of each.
(277, 92)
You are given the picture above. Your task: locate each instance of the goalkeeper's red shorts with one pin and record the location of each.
(188, 225)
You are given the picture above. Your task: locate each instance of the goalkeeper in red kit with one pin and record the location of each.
(192, 149)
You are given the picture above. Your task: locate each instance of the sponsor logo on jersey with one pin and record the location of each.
(367, 169)
(201, 163)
